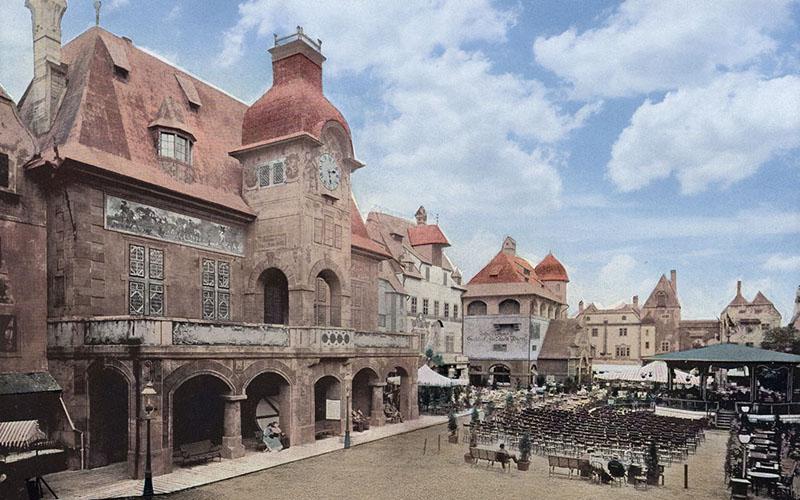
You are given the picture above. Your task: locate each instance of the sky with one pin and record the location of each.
(627, 138)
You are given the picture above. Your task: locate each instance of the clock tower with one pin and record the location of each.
(297, 159)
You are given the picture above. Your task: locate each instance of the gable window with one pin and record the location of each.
(623, 332)
(216, 281)
(5, 171)
(146, 281)
(175, 146)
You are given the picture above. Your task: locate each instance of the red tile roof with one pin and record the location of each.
(761, 300)
(103, 121)
(426, 234)
(504, 268)
(295, 103)
(360, 238)
(550, 269)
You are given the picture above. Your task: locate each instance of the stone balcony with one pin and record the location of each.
(76, 333)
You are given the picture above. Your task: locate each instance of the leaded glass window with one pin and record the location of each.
(146, 284)
(216, 280)
(278, 173)
(175, 146)
(272, 173)
(263, 175)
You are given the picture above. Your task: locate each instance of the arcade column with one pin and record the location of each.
(232, 433)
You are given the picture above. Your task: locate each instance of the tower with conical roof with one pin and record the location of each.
(554, 276)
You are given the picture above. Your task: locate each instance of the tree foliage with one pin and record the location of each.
(783, 339)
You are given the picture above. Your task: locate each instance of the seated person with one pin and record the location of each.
(503, 456)
(272, 437)
(615, 468)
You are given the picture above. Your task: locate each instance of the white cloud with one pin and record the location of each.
(782, 262)
(717, 134)
(451, 132)
(620, 278)
(653, 45)
(117, 4)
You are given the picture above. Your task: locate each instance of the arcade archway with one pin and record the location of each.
(198, 410)
(268, 400)
(327, 407)
(108, 417)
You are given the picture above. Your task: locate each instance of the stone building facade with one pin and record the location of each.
(745, 321)
(430, 283)
(205, 247)
(507, 308)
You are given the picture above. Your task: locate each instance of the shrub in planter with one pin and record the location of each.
(452, 426)
(524, 461)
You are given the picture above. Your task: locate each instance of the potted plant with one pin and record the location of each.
(524, 461)
(452, 426)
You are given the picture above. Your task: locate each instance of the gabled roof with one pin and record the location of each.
(3, 94)
(728, 354)
(384, 228)
(360, 238)
(550, 269)
(738, 300)
(103, 120)
(426, 234)
(27, 383)
(665, 286)
(760, 300)
(560, 336)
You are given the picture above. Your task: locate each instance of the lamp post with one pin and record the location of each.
(744, 438)
(149, 395)
(347, 424)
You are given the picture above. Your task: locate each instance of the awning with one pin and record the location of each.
(651, 372)
(429, 378)
(27, 383)
(20, 435)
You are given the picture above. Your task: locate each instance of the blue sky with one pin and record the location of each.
(628, 138)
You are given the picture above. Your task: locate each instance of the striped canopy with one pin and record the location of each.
(20, 435)
(651, 372)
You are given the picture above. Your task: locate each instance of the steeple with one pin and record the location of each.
(49, 75)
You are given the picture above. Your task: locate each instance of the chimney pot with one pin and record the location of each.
(580, 306)
(635, 301)
(738, 287)
(673, 276)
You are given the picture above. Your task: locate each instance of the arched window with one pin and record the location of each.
(661, 299)
(509, 306)
(276, 297)
(327, 300)
(476, 308)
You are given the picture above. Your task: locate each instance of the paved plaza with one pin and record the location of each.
(395, 468)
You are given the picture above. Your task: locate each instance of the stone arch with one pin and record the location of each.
(197, 409)
(328, 285)
(266, 365)
(367, 394)
(326, 263)
(269, 390)
(112, 398)
(340, 134)
(328, 386)
(476, 308)
(500, 373)
(195, 368)
(270, 262)
(509, 306)
(275, 287)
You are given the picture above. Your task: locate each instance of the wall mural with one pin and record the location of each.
(143, 220)
(8, 333)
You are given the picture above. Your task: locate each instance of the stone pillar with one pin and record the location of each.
(376, 417)
(232, 435)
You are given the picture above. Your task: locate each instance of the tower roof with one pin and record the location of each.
(550, 269)
(761, 300)
(664, 286)
(295, 102)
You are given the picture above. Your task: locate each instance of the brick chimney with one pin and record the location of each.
(580, 307)
(635, 301)
(509, 246)
(739, 287)
(297, 57)
(673, 278)
(49, 75)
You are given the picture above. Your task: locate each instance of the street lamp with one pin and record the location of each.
(149, 396)
(347, 424)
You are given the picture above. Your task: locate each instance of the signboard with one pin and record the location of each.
(503, 337)
(333, 409)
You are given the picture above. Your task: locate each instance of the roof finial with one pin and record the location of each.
(97, 5)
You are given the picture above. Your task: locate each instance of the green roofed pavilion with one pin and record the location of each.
(730, 356)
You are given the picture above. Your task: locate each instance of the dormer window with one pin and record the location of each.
(175, 146)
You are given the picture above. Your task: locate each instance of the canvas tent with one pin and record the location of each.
(429, 378)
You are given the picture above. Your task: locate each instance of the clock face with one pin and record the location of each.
(329, 173)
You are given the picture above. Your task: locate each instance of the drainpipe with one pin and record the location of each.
(72, 427)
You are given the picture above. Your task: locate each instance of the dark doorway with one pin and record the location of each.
(268, 400)
(198, 410)
(108, 417)
(327, 396)
(276, 297)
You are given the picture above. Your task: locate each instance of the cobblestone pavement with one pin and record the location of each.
(395, 468)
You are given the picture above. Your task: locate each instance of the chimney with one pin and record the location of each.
(297, 58)
(580, 307)
(673, 277)
(421, 216)
(509, 246)
(739, 287)
(635, 301)
(49, 75)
